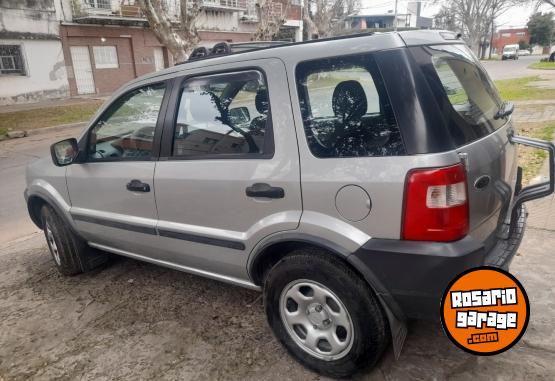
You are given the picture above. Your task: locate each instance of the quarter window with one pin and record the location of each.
(345, 109)
(105, 57)
(126, 129)
(224, 114)
(11, 60)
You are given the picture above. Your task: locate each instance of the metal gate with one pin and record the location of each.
(82, 69)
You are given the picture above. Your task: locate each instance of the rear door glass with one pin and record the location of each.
(467, 96)
(345, 108)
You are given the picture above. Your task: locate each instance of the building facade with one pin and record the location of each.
(509, 37)
(31, 57)
(60, 48)
(107, 42)
(409, 15)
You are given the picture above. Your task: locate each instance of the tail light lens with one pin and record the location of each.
(436, 204)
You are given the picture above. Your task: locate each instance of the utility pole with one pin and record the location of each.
(395, 17)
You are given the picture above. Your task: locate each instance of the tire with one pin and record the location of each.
(71, 253)
(356, 324)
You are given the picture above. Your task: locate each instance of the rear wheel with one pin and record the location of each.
(324, 313)
(71, 254)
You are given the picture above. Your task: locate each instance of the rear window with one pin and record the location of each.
(345, 108)
(466, 95)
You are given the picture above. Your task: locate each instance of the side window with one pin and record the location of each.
(345, 108)
(126, 129)
(224, 114)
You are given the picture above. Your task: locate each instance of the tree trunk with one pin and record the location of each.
(308, 24)
(179, 40)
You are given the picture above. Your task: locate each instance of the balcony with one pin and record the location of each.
(225, 5)
(129, 11)
(116, 11)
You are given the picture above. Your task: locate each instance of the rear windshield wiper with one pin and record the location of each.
(505, 110)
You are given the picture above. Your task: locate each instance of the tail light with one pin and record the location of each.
(436, 204)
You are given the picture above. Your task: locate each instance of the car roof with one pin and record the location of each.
(314, 49)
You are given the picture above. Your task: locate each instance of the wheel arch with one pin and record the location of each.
(34, 206)
(270, 253)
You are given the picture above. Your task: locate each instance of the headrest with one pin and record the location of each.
(261, 101)
(349, 101)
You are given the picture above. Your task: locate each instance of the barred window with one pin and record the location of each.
(11, 60)
(105, 57)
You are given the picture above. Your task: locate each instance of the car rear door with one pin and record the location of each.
(111, 188)
(228, 174)
(472, 111)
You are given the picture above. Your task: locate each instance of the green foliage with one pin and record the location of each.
(541, 27)
(523, 45)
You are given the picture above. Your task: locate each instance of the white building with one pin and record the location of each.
(32, 64)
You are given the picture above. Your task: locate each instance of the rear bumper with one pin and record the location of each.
(412, 276)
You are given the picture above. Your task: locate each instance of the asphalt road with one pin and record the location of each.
(512, 69)
(14, 156)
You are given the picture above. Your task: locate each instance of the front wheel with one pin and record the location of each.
(324, 314)
(71, 254)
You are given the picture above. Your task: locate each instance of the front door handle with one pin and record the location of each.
(264, 190)
(138, 186)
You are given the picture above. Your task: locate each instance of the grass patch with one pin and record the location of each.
(531, 159)
(3, 131)
(523, 89)
(47, 117)
(542, 65)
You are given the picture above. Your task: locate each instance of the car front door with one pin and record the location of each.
(228, 173)
(111, 188)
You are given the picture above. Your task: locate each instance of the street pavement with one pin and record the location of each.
(513, 69)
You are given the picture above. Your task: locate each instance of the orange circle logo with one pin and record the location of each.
(485, 311)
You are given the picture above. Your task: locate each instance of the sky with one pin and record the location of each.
(514, 18)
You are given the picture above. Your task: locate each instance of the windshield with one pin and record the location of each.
(466, 95)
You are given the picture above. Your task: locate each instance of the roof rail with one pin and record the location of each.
(224, 48)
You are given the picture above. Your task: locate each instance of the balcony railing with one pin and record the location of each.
(234, 5)
(130, 9)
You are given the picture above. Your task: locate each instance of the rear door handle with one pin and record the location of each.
(138, 186)
(264, 190)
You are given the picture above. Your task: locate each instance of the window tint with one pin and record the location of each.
(223, 114)
(471, 95)
(126, 129)
(345, 109)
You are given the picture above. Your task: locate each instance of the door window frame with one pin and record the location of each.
(84, 142)
(170, 122)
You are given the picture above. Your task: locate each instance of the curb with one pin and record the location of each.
(60, 127)
(44, 130)
(534, 102)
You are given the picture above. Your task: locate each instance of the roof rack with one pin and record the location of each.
(224, 48)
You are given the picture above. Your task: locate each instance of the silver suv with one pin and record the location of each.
(349, 179)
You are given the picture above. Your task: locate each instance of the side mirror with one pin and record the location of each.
(64, 152)
(239, 115)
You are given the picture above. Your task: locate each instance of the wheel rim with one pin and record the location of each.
(316, 319)
(52, 245)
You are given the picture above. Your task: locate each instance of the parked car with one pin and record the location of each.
(523, 52)
(510, 52)
(349, 179)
